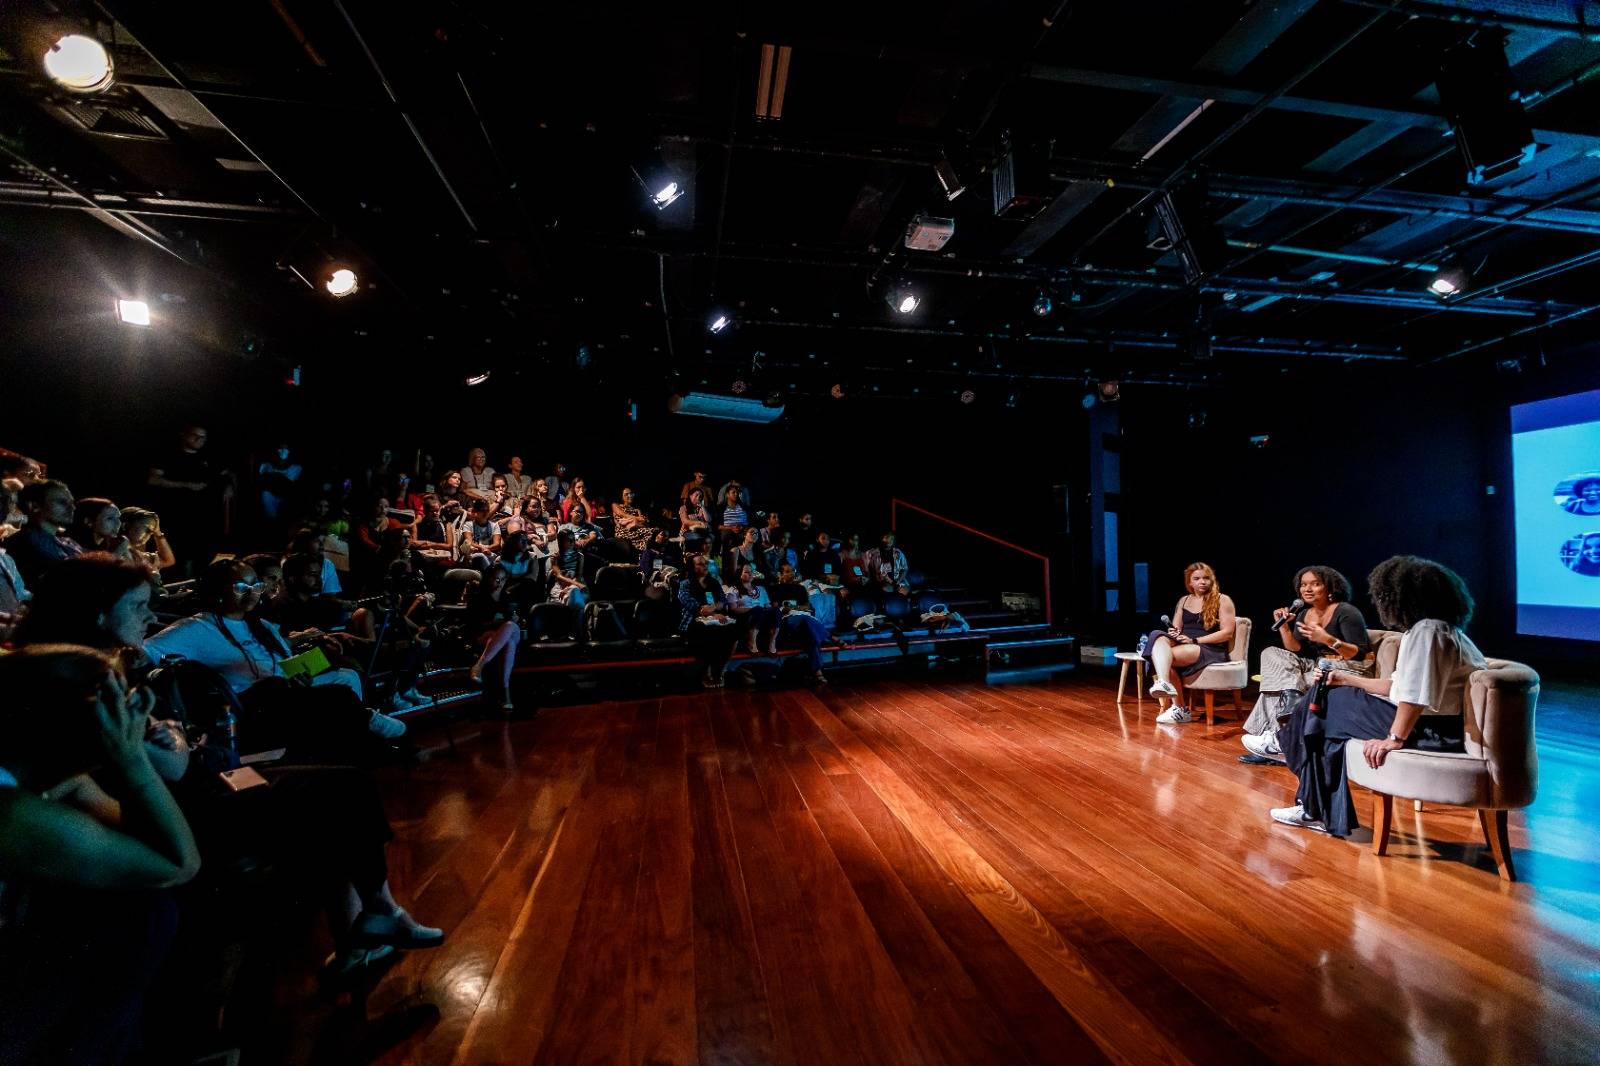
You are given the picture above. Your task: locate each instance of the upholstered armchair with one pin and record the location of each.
(1230, 677)
(1498, 772)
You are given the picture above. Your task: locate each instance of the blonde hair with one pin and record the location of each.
(1211, 606)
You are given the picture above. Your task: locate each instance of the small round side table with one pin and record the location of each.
(1137, 660)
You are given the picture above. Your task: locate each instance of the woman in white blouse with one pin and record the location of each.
(1431, 605)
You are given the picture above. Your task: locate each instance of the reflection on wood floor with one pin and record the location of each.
(946, 872)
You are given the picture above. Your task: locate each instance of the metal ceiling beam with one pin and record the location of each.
(18, 194)
(1484, 13)
(1243, 97)
(1243, 42)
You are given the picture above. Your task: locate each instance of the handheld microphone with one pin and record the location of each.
(1319, 692)
(1293, 609)
(1166, 621)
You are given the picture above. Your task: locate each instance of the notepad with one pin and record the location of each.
(310, 663)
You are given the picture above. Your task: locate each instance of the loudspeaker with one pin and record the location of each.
(1492, 130)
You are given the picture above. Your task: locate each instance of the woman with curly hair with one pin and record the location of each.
(1326, 627)
(1430, 605)
(1200, 634)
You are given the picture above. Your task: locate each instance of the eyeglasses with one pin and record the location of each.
(242, 587)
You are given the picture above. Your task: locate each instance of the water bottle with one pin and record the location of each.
(1143, 642)
(232, 721)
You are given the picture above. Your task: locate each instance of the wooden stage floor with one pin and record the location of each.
(944, 872)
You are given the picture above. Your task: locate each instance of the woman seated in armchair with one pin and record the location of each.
(1201, 635)
(1430, 604)
(1327, 627)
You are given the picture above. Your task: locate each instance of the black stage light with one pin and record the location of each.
(1485, 109)
(1452, 280)
(902, 297)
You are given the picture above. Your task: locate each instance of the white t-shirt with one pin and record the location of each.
(482, 482)
(199, 639)
(1434, 663)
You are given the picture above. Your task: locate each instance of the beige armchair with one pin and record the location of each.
(1497, 773)
(1231, 677)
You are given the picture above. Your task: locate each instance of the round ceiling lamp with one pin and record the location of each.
(79, 63)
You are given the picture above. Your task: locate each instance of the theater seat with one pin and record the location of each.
(655, 624)
(896, 606)
(618, 581)
(553, 622)
(862, 604)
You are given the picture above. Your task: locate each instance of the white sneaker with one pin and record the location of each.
(399, 703)
(385, 727)
(1264, 745)
(1174, 715)
(1296, 816)
(1163, 688)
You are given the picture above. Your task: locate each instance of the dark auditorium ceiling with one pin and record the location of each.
(475, 164)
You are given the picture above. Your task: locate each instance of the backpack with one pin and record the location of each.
(603, 623)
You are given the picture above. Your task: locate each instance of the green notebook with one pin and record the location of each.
(310, 663)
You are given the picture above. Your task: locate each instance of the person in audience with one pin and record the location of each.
(567, 571)
(518, 485)
(779, 555)
(493, 613)
(805, 528)
(368, 535)
(584, 532)
(191, 494)
(427, 472)
(693, 517)
(696, 482)
(768, 535)
(1202, 635)
(821, 561)
(379, 472)
(704, 622)
(734, 519)
(754, 611)
(477, 477)
(269, 571)
(500, 500)
(556, 487)
(578, 497)
(300, 605)
(97, 526)
(248, 652)
(21, 468)
(523, 569)
(84, 861)
(11, 517)
(308, 541)
(404, 495)
(480, 536)
(42, 542)
(1585, 497)
(853, 564)
(1430, 605)
(430, 537)
(886, 567)
(13, 595)
(746, 553)
(631, 524)
(451, 492)
(278, 476)
(1328, 628)
(147, 543)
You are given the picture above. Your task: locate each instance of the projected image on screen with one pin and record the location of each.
(1555, 451)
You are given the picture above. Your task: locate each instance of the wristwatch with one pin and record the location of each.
(1396, 739)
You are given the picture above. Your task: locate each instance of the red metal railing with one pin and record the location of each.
(894, 523)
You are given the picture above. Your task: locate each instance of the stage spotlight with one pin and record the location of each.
(902, 297)
(740, 387)
(967, 396)
(1042, 305)
(1450, 281)
(667, 195)
(134, 312)
(479, 379)
(719, 322)
(1089, 400)
(1110, 391)
(79, 64)
(949, 180)
(837, 392)
(341, 283)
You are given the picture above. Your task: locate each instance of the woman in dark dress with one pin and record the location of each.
(1200, 636)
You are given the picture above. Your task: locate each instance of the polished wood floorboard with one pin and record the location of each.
(948, 872)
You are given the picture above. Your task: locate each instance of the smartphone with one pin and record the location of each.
(827, 568)
(655, 564)
(242, 778)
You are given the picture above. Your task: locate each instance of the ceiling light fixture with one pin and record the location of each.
(902, 297)
(1451, 280)
(1042, 305)
(79, 64)
(949, 180)
(341, 283)
(667, 195)
(134, 312)
(479, 379)
(719, 322)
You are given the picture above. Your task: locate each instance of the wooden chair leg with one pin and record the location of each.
(1236, 701)
(1211, 698)
(1382, 821)
(1138, 681)
(1495, 832)
(1122, 680)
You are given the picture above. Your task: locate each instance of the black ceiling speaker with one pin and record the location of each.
(1492, 130)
